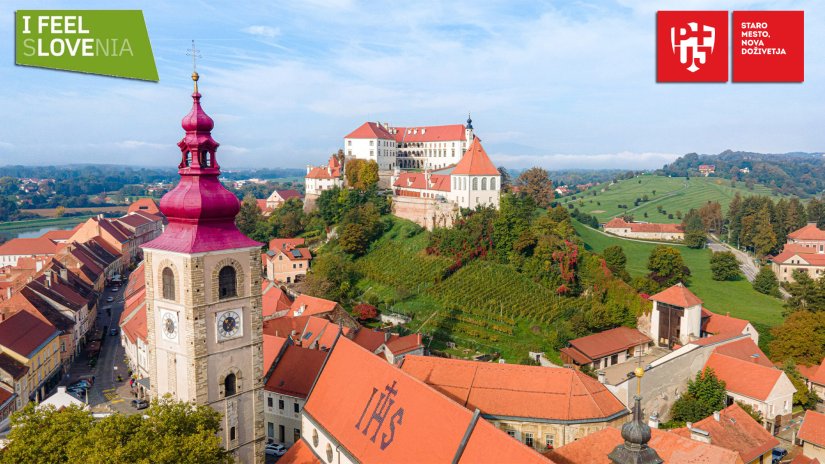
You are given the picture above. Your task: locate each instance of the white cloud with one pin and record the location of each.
(137, 144)
(263, 31)
(621, 160)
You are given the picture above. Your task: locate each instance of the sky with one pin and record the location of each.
(556, 84)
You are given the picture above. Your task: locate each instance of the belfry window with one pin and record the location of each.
(227, 283)
(207, 159)
(188, 158)
(168, 278)
(229, 385)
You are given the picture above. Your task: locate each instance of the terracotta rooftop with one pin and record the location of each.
(418, 181)
(809, 372)
(414, 424)
(475, 162)
(429, 133)
(306, 305)
(289, 194)
(737, 431)
(28, 246)
(677, 295)
(295, 371)
(405, 344)
(813, 428)
(274, 299)
(808, 232)
(611, 341)
(25, 333)
(370, 130)
(672, 448)
(135, 328)
(144, 204)
(272, 348)
(370, 339)
(819, 375)
(285, 243)
(804, 254)
(746, 378)
(299, 453)
(746, 350)
(13, 367)
(649, 227)
(802, 459)
(498, 390)
(719, 323)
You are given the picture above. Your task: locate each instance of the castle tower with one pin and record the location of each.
(203, 297)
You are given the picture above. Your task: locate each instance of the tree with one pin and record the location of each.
(724, 266)
(331, 276)
(60, 211)
(666, 266)
(535, 183)
(354, 239)
(764, 238)
(804, 397)
(765, 282)
(694, 229)
(616, 261)
(705, 394)
(366, 311)
(801, 338)
(506, 179)
(249, 216)
(368, 175)
(171, 432)
(711, 214)
(754, 413)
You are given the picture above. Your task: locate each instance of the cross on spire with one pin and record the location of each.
(195, 54)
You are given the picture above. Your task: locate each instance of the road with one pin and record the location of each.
(746, 263)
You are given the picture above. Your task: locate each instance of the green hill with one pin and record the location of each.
(671, 193)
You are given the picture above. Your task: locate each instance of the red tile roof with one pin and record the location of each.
(744, 377)
(714, 339)
(289, 194)
(370, 339)
(58, 235)
(819, 376)
(475, 162)
(28, 246)
(512, 390)
(370, 130)
(135, 328)
(813, 428)
(144, 204)
(642, 227)
(429, 133)
(808, 232)
(737, 431)
(609, 342)
(13, 367)
(274, 299)
(418, 181)
(809, 372)
(285, 243)
(272, 348)
(802, 459)
(672, 448)
(134, 220)
(262, 205)
(299, 453)
(320, 172)
(718, 323)
(284, 326)
(295, 371)
(417, 424)
(310, 306)
(24, 333)
(746, 350)
(577, 356)
(405, 344)
(677, 295)
(808, 255)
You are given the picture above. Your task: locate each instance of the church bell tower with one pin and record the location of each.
(203, 297)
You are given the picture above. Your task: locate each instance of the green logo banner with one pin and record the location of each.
(107, 42)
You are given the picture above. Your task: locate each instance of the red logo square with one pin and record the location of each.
(768, 46)
(692, 46)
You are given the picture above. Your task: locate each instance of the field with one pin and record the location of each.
(52, 212)
(672, 194)
(736, 297)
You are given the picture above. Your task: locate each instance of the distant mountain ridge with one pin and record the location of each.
(794, 173)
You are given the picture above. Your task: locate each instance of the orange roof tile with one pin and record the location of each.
(135, 328)
(28, 246)
(672, 448)
(418, 181)
(813, 428)
(272, 348)
(274, 299)
(512, 390)
(809, 372)
(737, 431)
(147, 205)
(808, 232)
(295, 371)
(599, 345)
(802, 459)
(412, 422)
(429, 133)
(285, 243)
(718, 323)
(744, 377)
(746, 350)
(299, 453)
(475, 162)
(819, 376)
(306, 305)
(807, 255)
(405, 344)
(370, 130)
(370, 339)
(261, 205)
(677, 295)
(25, 333)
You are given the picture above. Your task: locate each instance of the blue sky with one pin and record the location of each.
(559, 84)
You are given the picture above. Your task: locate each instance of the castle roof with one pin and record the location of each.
(808, 232)
(677, 295)
(475, 162)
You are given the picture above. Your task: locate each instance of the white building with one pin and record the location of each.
(423, 147)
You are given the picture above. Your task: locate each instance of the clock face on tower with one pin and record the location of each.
(169, 325)
(229, 325)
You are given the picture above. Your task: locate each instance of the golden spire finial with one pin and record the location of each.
(195, 54)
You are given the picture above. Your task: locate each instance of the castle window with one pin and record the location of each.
(168, 278)
(484, 183)
(329, 452)
(229, 385)
(227, 286)
(475, 183)
(492, 183)
(231, 433)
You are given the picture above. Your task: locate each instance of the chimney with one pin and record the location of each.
(602, 377)
(699, 435)
(49, 277)
(423, 130)
(716, 416)
(309, 168)
(653, 422)
(754, 359)
(64, 274)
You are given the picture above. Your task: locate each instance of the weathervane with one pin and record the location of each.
(195, 54)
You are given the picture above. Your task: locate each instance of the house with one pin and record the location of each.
(287, 260)
(606, 348)
(734, 429)
(396, 348)
(541, 407)
(142, 227)
(278, 197)
(305, 305)
(146, 205)
(767, 389)
(805, 251)
(29, 357)
(812, 436)
(311, 332)
(645, 230)
(321, 178)
(816, 382)
(707, 169)
(95, 262)
(286, 390)
(133, 324)
(62, 399)
(432, 199)
(363, 409)
(562, 190)
(16, 248)
(274, 299)
(676, 317)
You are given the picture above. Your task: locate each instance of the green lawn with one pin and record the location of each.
(736, 297)
(672, 194)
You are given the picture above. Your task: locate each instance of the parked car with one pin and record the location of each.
(80, 383)
(140, 404)
(115, 289)
(109, 299)
(275, 450)
(113, 331)
(778, 454)
(79, 391)
(89, 379)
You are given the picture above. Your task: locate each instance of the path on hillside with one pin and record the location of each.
(746, 263)
(650, 202)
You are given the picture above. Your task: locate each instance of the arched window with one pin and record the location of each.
(483, 183)
(227, 283)
(475, 183)
(229, 385)
(492, 183)
(329, 453)
(168, 278)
